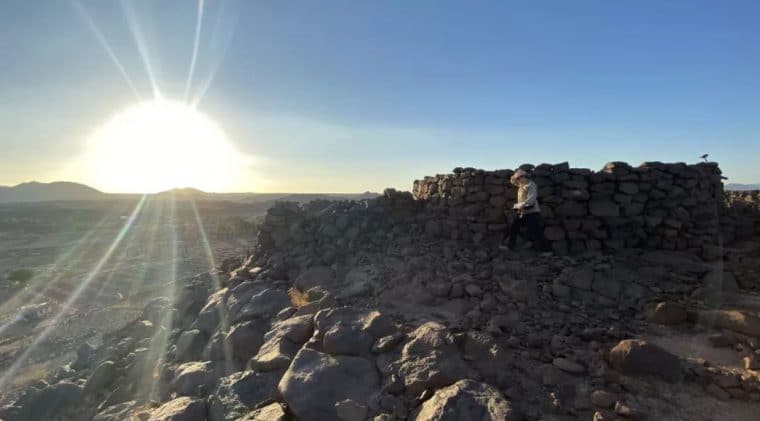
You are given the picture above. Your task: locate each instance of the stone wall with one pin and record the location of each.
(655, 205)
(742, 213)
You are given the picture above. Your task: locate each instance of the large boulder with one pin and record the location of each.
(238, 393)
(466, 400)
(245, 339)
(349, 330)
(636, 356)
(316, 381)
(430, 360)
(282, 343)
(240, 295)
(266, 304)
(190, 345)
(102, 376)
(211, 314)
(194, 378)
(52, 401)
(180, 409)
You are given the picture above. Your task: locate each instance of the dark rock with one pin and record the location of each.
(667, 313)
(349, 410)
(466, 400)
(238, 393)
(282, 343)
(603, 208)
(349, 330)
(387, 343)
(266, 304)
(568, 366)
(717, 392)
(271, 412)
(635, 356)
(118, 412)
(211, 314)
(431, 360)
(489, 358)
(316, 381)
(102, 376)
(180, 409)
(315, 276)
(52, 401)
(722, 340)
(194, 378)
(85, 357)
(603, 398)
(190, 345)
(735, 320)
(245, 339)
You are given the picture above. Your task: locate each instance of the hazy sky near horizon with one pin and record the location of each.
(348, 96)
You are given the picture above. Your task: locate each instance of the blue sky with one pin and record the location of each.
(353, 96)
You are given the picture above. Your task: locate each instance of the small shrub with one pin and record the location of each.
(297, 297)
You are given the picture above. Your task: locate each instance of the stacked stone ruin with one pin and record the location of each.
(655, 205)
(743, 208)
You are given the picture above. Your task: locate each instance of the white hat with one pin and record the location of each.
(520, 173)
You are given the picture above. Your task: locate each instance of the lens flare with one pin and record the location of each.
(160, 145)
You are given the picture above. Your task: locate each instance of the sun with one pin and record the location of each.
(160, 145)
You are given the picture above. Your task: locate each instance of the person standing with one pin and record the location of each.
(528, 212)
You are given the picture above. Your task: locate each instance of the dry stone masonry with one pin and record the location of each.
(655, 205)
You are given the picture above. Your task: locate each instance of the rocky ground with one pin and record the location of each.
(348, 315)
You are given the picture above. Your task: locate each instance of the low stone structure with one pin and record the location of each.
(743, 209)
(655, 205)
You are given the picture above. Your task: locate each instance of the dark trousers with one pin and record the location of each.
(532, 224)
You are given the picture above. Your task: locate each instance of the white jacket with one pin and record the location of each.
(527, 198)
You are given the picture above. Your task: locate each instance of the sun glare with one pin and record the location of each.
(159, 145)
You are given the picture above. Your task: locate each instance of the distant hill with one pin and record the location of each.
(740, 187)
(185, 193)
(42, 192)
(195, 194)
(66, 191)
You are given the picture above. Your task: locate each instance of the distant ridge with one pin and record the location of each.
(742, 187)
(34, 191)
(184, 192)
